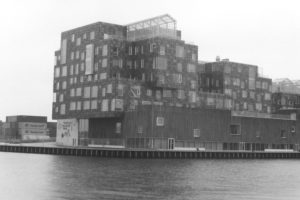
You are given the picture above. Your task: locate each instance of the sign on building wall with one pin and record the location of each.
(67, 132)
(89, 59)
(32, 125)
(32, 131)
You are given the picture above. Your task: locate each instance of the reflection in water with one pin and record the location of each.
(30, 176)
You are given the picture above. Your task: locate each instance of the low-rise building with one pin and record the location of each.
(23, 127)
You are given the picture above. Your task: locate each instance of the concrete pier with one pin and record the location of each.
(147, 153)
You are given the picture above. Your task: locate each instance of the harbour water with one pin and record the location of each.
(43, 177)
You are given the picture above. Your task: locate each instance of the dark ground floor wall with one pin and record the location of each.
(151, 126)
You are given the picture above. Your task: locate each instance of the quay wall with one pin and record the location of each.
(148, 154)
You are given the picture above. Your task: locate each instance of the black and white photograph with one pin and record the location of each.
(150, 99)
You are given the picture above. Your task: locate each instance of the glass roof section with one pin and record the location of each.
(161, 26)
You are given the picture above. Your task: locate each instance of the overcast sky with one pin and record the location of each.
(264, 33)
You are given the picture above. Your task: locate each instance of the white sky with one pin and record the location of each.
(260, 32)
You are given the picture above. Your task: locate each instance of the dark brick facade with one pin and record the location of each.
(240, 83)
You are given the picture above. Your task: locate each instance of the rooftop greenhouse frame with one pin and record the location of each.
(160, 26)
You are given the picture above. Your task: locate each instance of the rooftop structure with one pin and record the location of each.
(161, 26)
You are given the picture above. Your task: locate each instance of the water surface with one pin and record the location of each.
(43, 177)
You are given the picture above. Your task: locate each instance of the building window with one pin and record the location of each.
(73, 106)
(140, 130)
(73, 38)
(142, 63)
(235, 129)
(181, 94)
(103, 76)
(118, 127)
(57, 72)
(86, 105)
(258, 134)
(158, 94)
(94, 104)
(227, 69)
(87, 92)
(72, 55)
(293, 129)
(267, 96)
(193, 84)
(109, 88)
(196, 133)
(252, 95)
(179, 51)
(57, 85)
(167, 93)
(78, 105)
(282, 133)
(228, 92)
(78, 92)
(104, 105)
(71, 70)
(119, 104)
(135, 64)
(63, 51)
(92, 35)
(258, 106)
(120, 90)
(179, 67)
(152, 47)
(244, 94)
(82, 67)
(89, 60)
(130, 50)
(177, 78)
(104, 63)
(192, 96)
(258, 84)
(149, 92)
(160, 63)
(72, 92)
(94, 91)
(64, 85)
(103, 92)
(104, 50)
(78, 41)
(251, 84)
(77, 69)
(162, 50)
(136, 50)
(54, 97)
(191, 68)
(63, 109)
(194, 57)
(64, 71)
(160, 121)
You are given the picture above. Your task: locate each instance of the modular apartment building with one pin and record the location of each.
(140, 85)
(240, 82)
